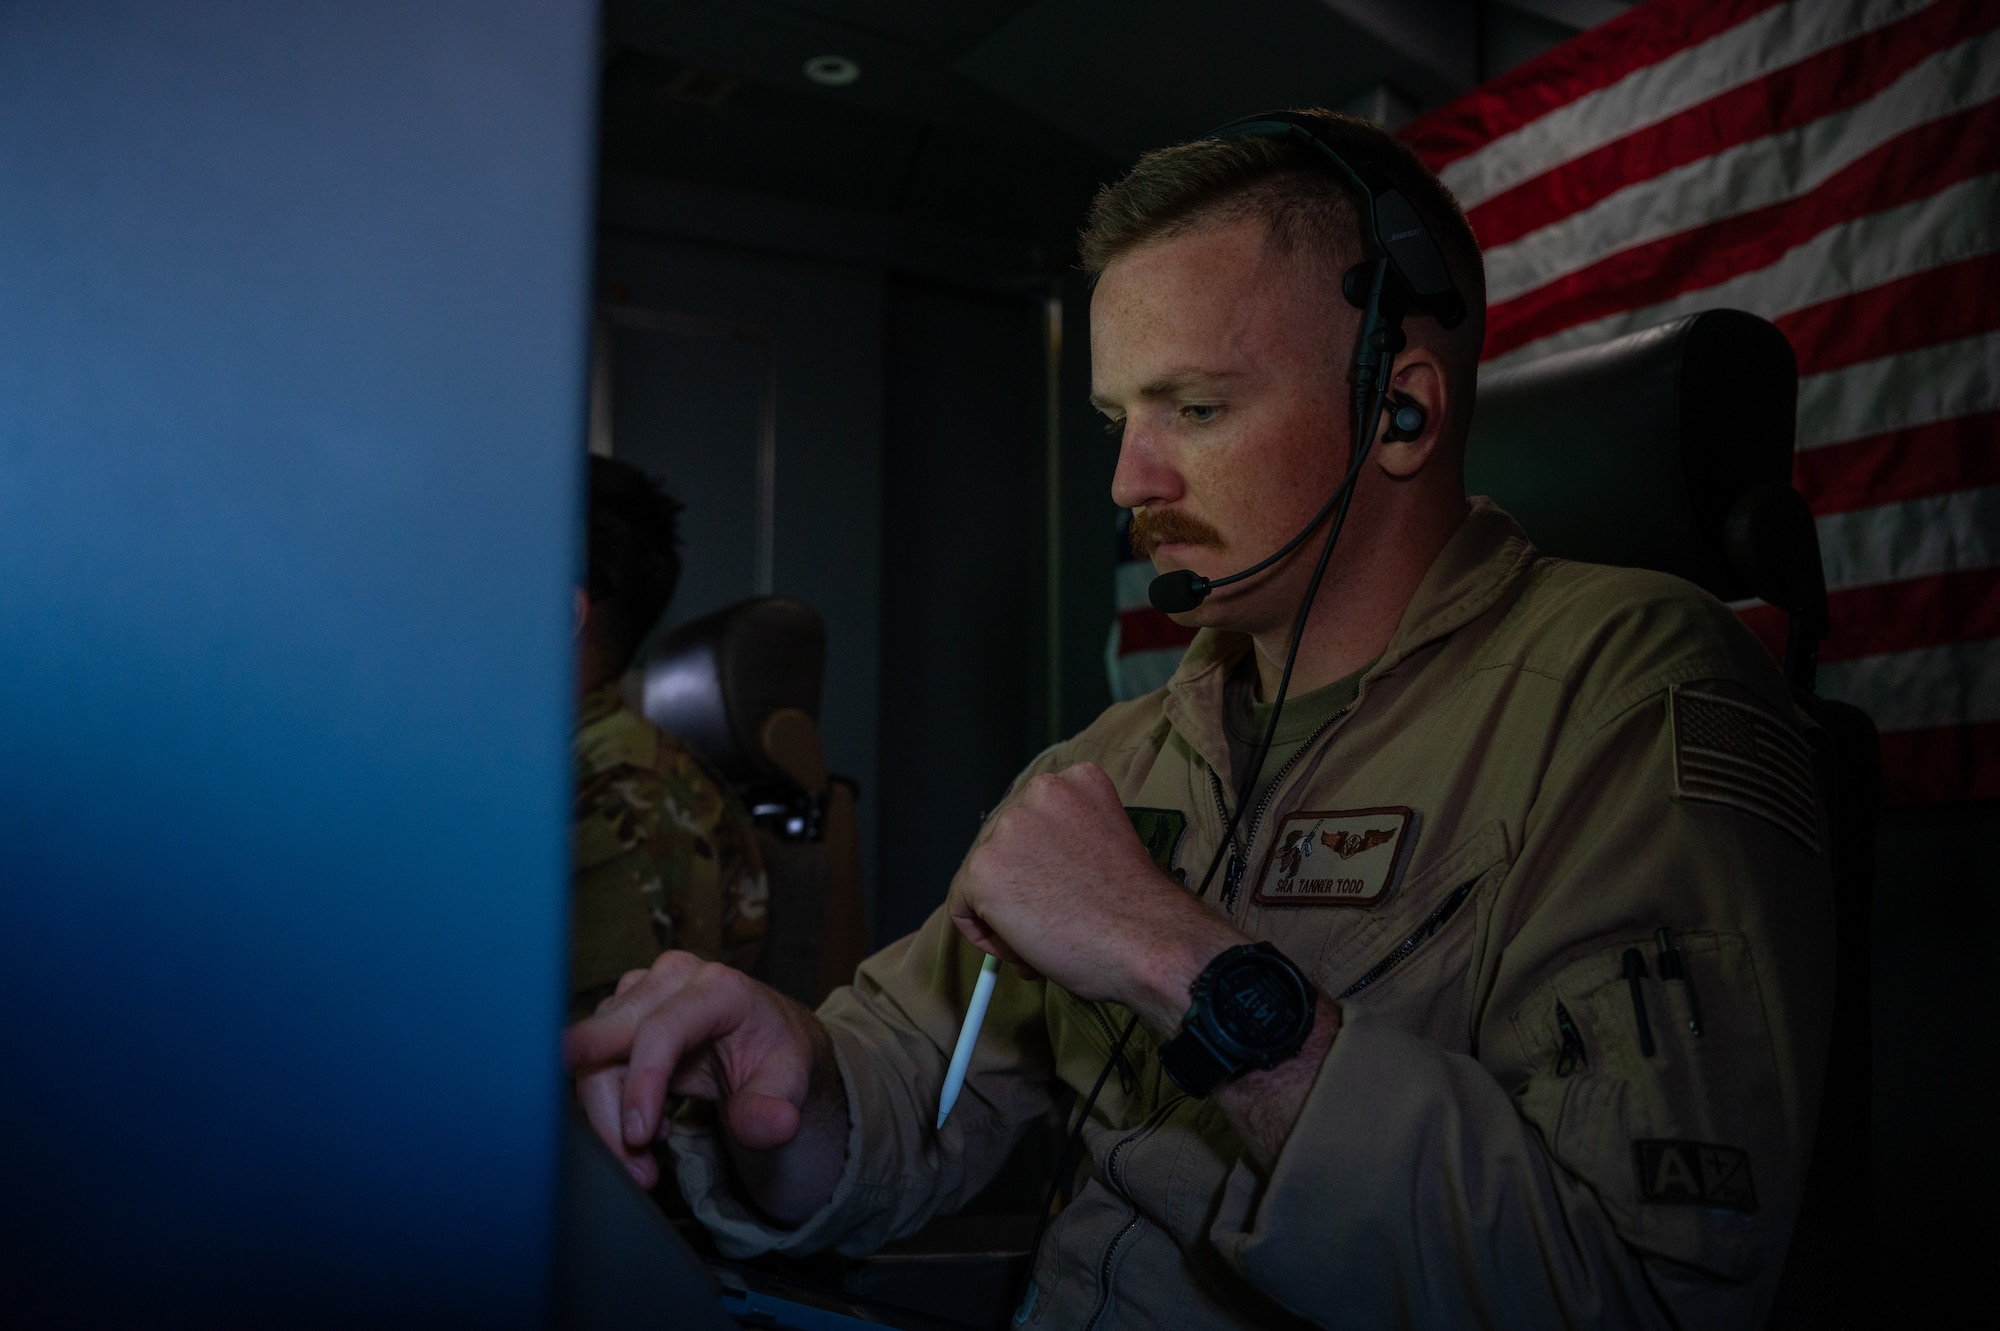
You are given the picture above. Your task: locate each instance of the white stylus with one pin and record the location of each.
(968, 1036)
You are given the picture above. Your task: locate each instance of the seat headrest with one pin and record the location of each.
(717, 681)
(1634, 451)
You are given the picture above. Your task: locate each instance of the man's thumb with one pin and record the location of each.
(761, 1121)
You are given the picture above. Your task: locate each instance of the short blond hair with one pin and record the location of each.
(1306, 209)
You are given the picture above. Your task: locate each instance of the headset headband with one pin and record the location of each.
(1402, 236)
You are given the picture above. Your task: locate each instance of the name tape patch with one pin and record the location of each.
(1732, 753)
(1344, 857)
(1680, 1173)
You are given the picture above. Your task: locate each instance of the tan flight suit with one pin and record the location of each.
(1584, 755)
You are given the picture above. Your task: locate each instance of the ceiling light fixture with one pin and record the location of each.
(832, 71)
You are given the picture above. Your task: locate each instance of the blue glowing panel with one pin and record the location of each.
(292, 316)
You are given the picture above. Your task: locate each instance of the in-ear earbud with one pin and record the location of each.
(1406, 418)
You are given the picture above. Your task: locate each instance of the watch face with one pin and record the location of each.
(1257, 1002)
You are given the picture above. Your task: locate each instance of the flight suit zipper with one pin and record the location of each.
(1571, 1051)
(1128, 1076)
(1239, 850)
(1104, 1265)
(1401, 952)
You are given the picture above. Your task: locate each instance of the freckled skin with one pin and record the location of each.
(1227, 363)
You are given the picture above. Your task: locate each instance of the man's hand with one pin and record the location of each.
(1059, 884)
(700, 1029)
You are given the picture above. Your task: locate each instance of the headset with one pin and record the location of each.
(1408, 271)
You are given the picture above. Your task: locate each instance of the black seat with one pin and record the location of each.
(742, 686)
(1671, 449)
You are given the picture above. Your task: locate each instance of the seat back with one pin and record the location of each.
(716, 680)
(1634, 451)
(1671, 449)
(742, 686)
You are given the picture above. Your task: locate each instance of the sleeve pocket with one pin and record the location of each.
(1686, 1146)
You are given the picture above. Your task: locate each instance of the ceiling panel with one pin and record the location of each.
(771, 42)
(1128, 75)
(944, 27)
(752, 136)
(997, 118)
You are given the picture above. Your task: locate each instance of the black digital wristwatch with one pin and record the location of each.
(1252, 1008)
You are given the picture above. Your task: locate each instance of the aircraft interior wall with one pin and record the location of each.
(692, 404)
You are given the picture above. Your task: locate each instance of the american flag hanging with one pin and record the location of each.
(1833, 165)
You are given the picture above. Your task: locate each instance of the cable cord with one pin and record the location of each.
(1366, 426)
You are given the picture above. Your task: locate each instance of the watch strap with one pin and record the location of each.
(1192, 1065)
(1198, 1063)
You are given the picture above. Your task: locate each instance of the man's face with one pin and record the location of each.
(1222, 364)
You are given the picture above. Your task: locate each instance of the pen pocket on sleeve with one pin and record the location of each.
(1685, 1140)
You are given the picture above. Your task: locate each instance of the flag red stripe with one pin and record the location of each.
(1914, 164)
(1896, 616)
(1769, 624)
(1942, 763)
(1146, 630)
(1921, 310)
(1836, 79)
(1644, 35)
(1958, 454)
(1924, 612)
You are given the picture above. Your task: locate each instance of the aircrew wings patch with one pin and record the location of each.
(1736, 754)
(1334, 858)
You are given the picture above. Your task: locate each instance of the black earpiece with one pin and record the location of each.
(1406, 418)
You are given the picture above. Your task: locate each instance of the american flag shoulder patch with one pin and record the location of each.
(1737, 754)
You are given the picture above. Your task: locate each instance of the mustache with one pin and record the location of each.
(1152, 530)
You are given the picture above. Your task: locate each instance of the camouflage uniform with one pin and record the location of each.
(664, 855)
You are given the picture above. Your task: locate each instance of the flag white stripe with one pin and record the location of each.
(1956, 223)
(1749, 51)
(1748, 176)
(1917, 538)
(1953, 685)
(1897, 392)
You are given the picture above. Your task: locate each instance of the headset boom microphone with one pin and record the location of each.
(1411, 271)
